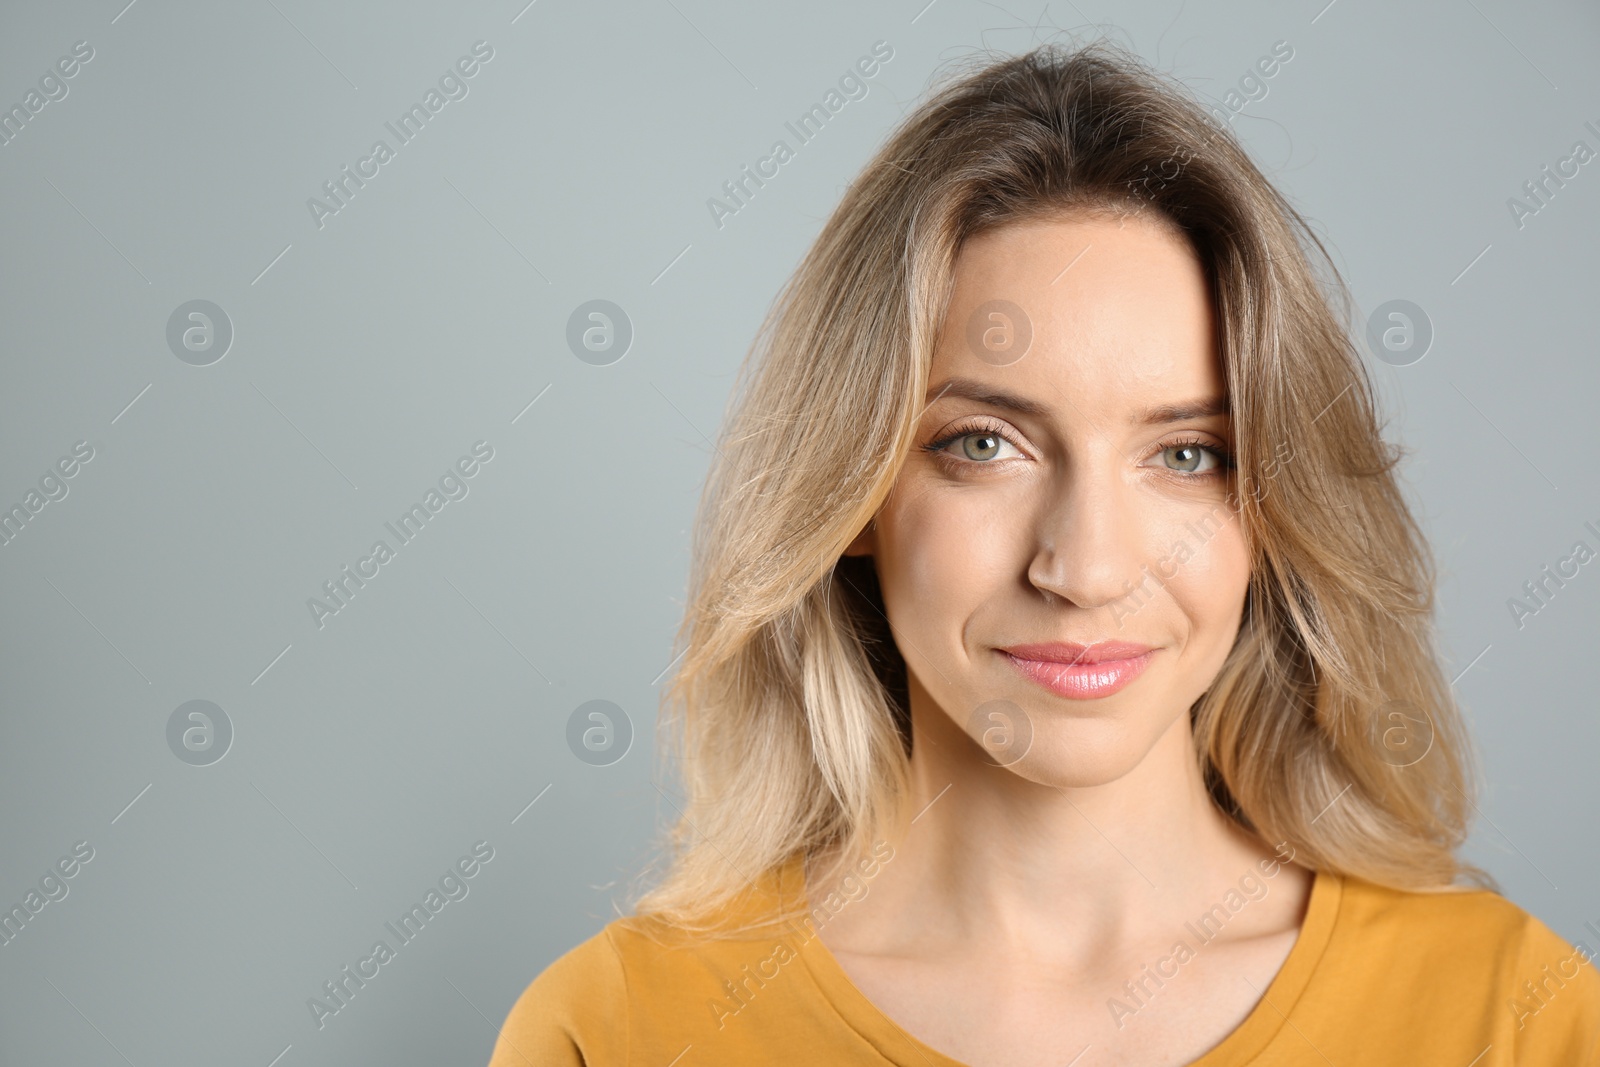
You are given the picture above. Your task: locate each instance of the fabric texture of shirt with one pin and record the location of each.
(1376, 976)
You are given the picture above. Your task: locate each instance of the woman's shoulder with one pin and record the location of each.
(573, 1012)
(1464, 922)
(1497, 925)
(1470, 947)
(616, 992)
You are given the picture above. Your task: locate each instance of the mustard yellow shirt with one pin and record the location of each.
(1377, 976)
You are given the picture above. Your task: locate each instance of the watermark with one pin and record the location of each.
(999, 332)
(52, 487)
(753, 978)
(1135, 597)
(853, 84)
(1252, 84)
(199, 333)
(1542, 189)
(52, 887)
(1541, 590)
(1003, 730)
(1537, 996)
(452, 86)
(453, 885)
(1140, 990)
(1252, 87)
(1405, 733)
(1144, 186)
(339, 590)
(599, 332)
(52, 88)
(1399, 332)
(199, 732)
(599, 732)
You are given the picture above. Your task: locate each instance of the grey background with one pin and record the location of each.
(370, 354)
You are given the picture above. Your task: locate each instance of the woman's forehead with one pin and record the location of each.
(1116, 308)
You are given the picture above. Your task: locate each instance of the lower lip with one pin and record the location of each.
(1082, 681)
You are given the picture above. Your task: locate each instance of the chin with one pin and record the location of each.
(1073, 759)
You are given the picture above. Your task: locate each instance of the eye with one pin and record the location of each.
(1193, 457)
(976, 443)
(982, 446)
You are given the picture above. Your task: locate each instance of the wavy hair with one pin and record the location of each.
(788, 717)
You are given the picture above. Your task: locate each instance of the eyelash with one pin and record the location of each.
(994, 426)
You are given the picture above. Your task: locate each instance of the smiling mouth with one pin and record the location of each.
(1079, 672)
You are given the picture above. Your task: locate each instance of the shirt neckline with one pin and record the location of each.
(1245, 1041)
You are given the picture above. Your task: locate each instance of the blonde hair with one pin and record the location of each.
(788, 714)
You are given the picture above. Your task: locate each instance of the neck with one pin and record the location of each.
(985, 855)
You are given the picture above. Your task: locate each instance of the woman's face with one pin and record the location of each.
(1070, 487)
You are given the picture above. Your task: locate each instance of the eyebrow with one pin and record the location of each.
(971, 389)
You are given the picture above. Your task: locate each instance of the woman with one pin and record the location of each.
(1058, 676)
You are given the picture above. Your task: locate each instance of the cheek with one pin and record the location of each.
(1210, 586)
(942, 552)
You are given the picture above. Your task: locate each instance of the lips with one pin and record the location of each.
(1080, 672)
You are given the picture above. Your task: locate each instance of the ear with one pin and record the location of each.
(866, 542)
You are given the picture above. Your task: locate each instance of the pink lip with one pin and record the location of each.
(1081, 672)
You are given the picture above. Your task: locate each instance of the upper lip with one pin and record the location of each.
(1070, 652)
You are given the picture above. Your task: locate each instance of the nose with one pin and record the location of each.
(1088, 539)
